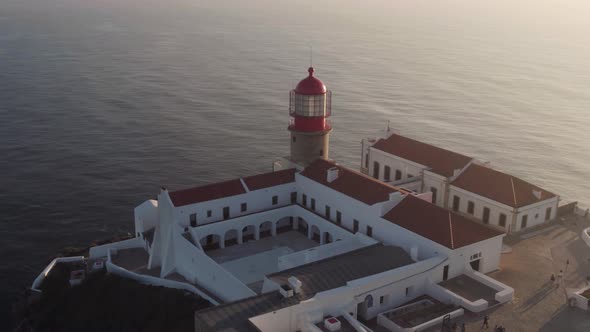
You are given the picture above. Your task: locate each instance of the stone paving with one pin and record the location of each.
(540, 305)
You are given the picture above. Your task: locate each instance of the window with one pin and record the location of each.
(304, 200)
(398, 174)
(381, 299)
(369, 301)
(470, 207)
(327, 212)
(193, 218)
(376, 170)
(407, 291)
(387, 173)
(338, 217)
(502, 220)
(456, 202)
(434, 192)
(486, 215)
(244, 207)
(209, 213)
(370, 231)
(313, 204)
(523, 221)
(355, 226)
(275, 200)
(294, 139)
(293, 197)
(226, 212)
(367, 160)
(547, 214)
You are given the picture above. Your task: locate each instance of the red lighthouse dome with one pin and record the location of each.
(310, 85)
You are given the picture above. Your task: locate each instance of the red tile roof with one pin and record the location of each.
(440, 161)
(350, 183)
(207, 193)
(270, 179)
(440, 225)
(500, 187)
(231, 188)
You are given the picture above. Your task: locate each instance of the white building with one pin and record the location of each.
(313, 247)
(457, 181)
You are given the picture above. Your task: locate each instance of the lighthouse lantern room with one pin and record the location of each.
(309, 108)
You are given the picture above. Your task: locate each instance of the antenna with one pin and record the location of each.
(311, 55)
(388, 129)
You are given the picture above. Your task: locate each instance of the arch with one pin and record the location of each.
(265, 229)
(284, 224)
(210, 242)
(248, 233)
(302, 226)
(369, 301)
(231, 237)
(315, 233)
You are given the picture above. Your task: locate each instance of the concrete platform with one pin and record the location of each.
(470, 289)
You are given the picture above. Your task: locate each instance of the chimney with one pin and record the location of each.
(332, 174)
(295, 284)
(537, 193)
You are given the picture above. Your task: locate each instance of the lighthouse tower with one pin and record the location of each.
(309, 108)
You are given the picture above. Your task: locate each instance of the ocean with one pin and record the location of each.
(102, 102)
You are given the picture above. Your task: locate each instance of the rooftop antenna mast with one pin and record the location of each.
(311, 55)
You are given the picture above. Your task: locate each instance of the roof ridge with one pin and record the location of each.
(244, 185)
(513, 190)
(451, 230)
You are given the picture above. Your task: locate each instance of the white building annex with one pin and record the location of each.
(458, 182)
(313, 245)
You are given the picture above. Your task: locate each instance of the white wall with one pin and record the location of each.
(102, 250)
(194, 265)
(407, 167)
(256, 200)
(146, 216)
(535, 212)
(479, 203)
(490, 250)
(438, 182)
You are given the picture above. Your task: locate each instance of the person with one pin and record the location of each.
(486, 322)
(552, 278)
(463, 327)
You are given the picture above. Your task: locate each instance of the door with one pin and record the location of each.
(226, 212)
(475, 264)
(445, 272)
